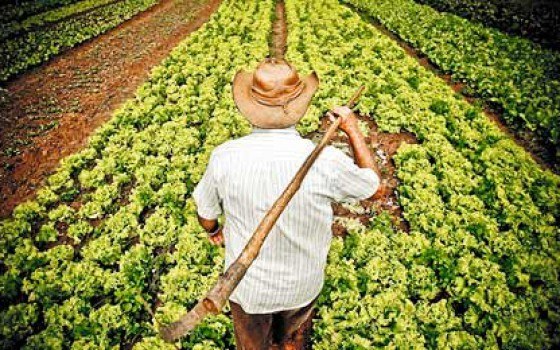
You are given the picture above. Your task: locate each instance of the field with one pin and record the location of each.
(512, 74)
(463, 254)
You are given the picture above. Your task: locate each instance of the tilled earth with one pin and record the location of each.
(48, 112)
(383, 146)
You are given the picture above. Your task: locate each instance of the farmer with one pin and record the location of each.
(243, 179)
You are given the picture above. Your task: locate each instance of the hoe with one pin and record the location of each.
(216, 298)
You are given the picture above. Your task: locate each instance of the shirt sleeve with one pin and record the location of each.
(350, 182)
(206, 195)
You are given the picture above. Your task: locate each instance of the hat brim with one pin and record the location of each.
(272, 117)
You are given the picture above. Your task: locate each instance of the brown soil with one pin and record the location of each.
(279, 31)
(542, 155)
(48, 112)
(384, 146)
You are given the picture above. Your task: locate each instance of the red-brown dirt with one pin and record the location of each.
(279, 31)
(48, 112)
(383, 146)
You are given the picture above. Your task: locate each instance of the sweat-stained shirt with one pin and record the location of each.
(243, 179)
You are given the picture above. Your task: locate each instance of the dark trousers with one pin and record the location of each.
(289, 329)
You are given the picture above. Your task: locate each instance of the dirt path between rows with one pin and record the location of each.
(542, 155)
(279, 31)
(48, 112)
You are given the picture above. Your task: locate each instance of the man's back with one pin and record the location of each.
(244, 178)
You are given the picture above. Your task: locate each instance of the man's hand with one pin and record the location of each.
(218, 238)
(210, 226)
(349, 123)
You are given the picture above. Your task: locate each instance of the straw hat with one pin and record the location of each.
(274, 96)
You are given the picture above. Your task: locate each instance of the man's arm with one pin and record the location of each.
(362, 154)
(213, 228)
(207, 201)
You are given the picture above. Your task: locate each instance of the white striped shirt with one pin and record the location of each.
(243, 179)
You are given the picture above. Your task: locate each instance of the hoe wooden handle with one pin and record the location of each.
(219, 294)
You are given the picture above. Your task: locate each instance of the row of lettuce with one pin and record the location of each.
(479, 268)
(115, 226)
(537, 20)
(17, 27)
(115, 229)
(17, 10)
(518, 76)
(38, 44)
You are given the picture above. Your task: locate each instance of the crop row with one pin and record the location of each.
(519, 76)
(114, 228)
(535, 20)
(480, 266)
(24, 9)
(37, 46)
(13, 28)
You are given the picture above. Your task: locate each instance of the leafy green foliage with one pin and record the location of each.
(479, 266)
(521, 77)
(36, 46)
(532, 19)
(115, 225)
(42, 19)
(477, 270)
(23, 9)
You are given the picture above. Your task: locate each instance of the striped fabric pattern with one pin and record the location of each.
(243, 179)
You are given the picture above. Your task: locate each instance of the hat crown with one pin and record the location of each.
(276, 82)
(273, 96)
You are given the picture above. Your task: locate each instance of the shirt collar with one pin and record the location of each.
(291, 130)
